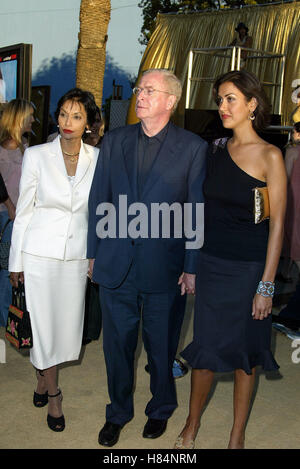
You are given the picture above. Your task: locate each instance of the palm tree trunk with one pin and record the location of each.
(94, 20)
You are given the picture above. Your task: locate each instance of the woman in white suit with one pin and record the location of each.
(48, 248)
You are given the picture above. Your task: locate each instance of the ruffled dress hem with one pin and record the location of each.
(200, 358)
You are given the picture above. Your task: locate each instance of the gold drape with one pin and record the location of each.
(274, 28)
(94, 20)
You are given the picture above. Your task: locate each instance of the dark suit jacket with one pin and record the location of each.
(176, 176)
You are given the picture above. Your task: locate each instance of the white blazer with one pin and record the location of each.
(51, 214)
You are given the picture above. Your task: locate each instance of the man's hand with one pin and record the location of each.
(187, 283)
(16, 277)
(91, 268)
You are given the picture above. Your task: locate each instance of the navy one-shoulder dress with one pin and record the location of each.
(231, 264)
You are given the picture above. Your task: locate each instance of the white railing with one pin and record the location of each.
(233, 53)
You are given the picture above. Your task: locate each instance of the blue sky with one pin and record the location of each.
(52, 28)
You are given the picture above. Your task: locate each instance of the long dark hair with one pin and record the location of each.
(250, 86)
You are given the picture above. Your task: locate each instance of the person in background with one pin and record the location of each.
(238, 261)
(94, 137)
(242, 40)
(48, 246)
(295, 117)
(288, 320)
(16, 120)
(292, 219)
(6, 200)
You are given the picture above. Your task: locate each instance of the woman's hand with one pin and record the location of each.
(261, 307)
(15, 278)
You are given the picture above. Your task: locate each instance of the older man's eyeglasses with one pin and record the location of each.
(148, 91)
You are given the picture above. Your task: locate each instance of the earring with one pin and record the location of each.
(251, 116)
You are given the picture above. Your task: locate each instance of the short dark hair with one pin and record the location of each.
(250, 86)
(86, 98)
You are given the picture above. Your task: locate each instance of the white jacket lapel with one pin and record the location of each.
(84, 162)
(58, 159)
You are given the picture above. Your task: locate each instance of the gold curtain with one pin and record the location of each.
(274, 28)
(94, 20)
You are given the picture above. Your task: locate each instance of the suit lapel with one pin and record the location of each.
(84, 162)
(58, 159)
(130, 154)
(168, 150)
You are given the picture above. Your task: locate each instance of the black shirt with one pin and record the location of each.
(148, 149)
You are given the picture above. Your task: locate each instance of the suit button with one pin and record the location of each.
(132, 242)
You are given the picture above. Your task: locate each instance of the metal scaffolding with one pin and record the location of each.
(234, 55)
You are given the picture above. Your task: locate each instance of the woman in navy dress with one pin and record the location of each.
(238, 261)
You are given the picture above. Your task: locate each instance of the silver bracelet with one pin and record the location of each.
(266, 289)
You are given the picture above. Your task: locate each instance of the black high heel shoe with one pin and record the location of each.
(40, 400)
(57, 424)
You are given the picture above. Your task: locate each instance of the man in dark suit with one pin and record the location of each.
(142, 264)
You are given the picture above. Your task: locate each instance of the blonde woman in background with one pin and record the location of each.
(15, 120)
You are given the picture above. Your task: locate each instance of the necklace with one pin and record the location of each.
(70, 154)
(73, 157)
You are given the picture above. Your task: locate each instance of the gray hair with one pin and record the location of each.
(173, 84)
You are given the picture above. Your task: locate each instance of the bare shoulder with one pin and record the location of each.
(271, 151)
(271, 159)
(275, 172)
(272, 154)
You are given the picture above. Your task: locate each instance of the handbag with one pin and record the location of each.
(18, 328)
(261, 204)
(93, 314)
(4, 249)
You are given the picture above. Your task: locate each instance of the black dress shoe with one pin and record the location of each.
(154, 428)
(109, 434)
